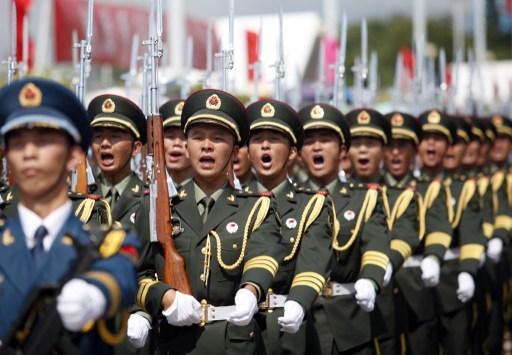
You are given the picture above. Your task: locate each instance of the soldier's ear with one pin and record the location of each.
(75, 157)
(292, 154)
(136, 148)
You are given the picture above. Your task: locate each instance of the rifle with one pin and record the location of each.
(83, 175)
(339, 75)
(39, 328)
(279, 64)
(160, 207)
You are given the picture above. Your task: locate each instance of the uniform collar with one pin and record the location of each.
(200, 194)
(389, 180)
(120, 186)
(53, 223)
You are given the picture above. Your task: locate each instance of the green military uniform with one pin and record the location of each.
(127, 197)
(405, 221)
(306, 219)
(360, 246)
(238, 243)
(465, 251)
(421, 326)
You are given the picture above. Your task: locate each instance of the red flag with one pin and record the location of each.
(252, 51)
(22, 8)
(409, 61)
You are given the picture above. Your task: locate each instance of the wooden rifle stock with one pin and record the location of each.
(81, 176)
(174, 272)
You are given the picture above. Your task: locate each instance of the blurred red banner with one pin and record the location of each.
(113, 28)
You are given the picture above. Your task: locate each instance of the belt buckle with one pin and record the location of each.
(267, 305)
(204, 313)
(327, 290)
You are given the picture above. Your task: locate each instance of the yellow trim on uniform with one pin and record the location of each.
(262, 262)
(401, 247)
(441, 238)
(502, 221)
(504, 130)
(449, 198)
(84, 210)
(496, 182)
(171, 121)
(219, 119)
(112, 243)
(376, 258)
(142, 292)
(509, 189)
(483, 184)
(324, 124)
(398, 133)
(471, 251)
(462, 134)
(422, 215)
(488, 229)
(366, 211)
(362, 131)
(311, 212)
(273, 125)
(466, 194)
(309, 279)
(402, 203)
(432, 192)
(111, 285)
(110, 337)
(437, 128)
(119, 121)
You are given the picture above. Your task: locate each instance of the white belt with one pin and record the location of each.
(452, 254)
(273, 301)
(211, 313)
(413, 261)
(332, 289)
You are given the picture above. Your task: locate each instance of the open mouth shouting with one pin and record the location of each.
(206, 162)
(107, 159)
(266, 161)
(175, 156)
(318, 161)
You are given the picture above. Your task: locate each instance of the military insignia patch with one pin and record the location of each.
(363, 118)
(213, 102)
(179, 108)
(135, 189)
(30, 96)
(183, 194)
(290, 195)
(231, 227)
(231, 198)
(176, 227)
(317, 112)
(9, 196)
(291, 223)
(268, 110)
(349, 215)
(108, 106)
(434, 117)
(7, 238)
(67, 240)
(132, 218)
(343, 190)
(397, 120)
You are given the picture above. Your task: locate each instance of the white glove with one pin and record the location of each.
(466, 287)
(292, 318)
(78, 303)
(138, 330)
(184, 311)
(365, 294)
(388, 275)
(494, 249)
(430, 271)
(246, 305)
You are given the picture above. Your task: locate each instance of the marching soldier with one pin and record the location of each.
(360, 240)
(119, 131)
(229, 240)
(176, 160)
(465, 251)
(45, 130)
(406, 223)
(276, 135)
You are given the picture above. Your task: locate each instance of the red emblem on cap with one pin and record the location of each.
(30, 96)
(213, 102)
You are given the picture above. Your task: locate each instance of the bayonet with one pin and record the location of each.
(25, 49)
(339, 75)
(209, 55)
(185, 83)
(279, 64)
(396, 94)
(256, 67)
(130, 76)
(320, 85)
(85, 46)
(12, 61)
(227, 54)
